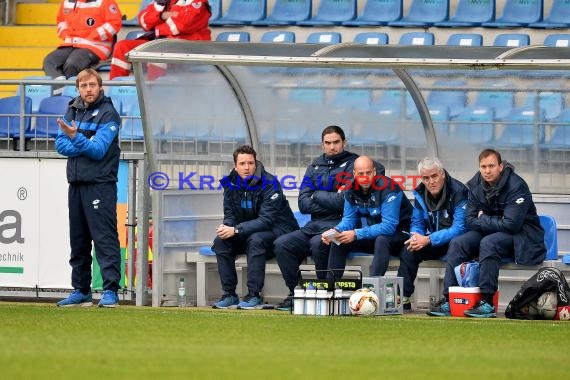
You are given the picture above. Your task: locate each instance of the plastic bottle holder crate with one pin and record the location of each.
(389, 291)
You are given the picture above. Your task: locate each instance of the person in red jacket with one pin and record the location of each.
(88, 29)
(164, 19)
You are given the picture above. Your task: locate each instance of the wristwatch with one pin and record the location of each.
(236, 231)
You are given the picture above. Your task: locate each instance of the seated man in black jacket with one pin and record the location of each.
(255, 213)
(321, 196)
(502, 222)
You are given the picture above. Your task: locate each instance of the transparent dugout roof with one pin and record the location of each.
(395, 103)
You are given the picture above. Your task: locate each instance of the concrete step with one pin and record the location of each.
(46, 13)
(27, 58)
(32, 35)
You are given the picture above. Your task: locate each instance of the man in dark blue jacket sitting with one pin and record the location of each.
(321, 196)
(502, 222)
(438, 217)
(256, 212)
(382, 203)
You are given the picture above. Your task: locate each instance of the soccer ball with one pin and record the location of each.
(363, 302)
(547, 304)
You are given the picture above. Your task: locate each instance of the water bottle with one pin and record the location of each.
(310, 300)
(390, 296)
(181, 293)
(341, 302)
(299, 300)
(322, 302)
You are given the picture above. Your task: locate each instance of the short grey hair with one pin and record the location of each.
(430, 163)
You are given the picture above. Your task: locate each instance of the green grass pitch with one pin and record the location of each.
(40, 341)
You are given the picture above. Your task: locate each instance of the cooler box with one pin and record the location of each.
(461, 299)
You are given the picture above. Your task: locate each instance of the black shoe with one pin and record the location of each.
(286, 304)
(407, 304)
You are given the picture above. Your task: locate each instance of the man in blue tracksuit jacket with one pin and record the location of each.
(438, 217)
(382, 203)
(321, 196)
(502, 223)
(88, 136)
(256, 212)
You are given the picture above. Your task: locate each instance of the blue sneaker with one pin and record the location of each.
(481, 310)
(441, 309)
(227, 301)
(249, 302)
(76, 298)
(109, 299)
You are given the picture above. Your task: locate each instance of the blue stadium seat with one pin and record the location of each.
(36, 92)
(499, 97)
(332, 12)
(9, 115)
(512, 40)
(131, 126)
(287, 12)
(278, 36)
(520, 129)
(548, 223)
(242, 12)
(517, 13)
(49, 111)
(557, 40)
(134, 21)
(353, 94)
(216, 7)
(125, 98)
(377, 13)
(551, 103)
(560, 138)
(470, 13)
(440, 118)
(324, 38)
(371, 38)
(558, 18)
(392, 98)
(424, 13)
(465, 39)
(417, 38)
(70, 89)
(452, 95)
(233, 37)
(474, 125)
(134, 34)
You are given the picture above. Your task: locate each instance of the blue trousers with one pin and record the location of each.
(292, 248)
(489, 249)
(258, 247)
(382, 247)
(93, 218)
(410, 262)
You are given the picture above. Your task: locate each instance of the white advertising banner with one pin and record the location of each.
(34, 247)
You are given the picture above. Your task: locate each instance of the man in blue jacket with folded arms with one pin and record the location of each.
(438, 217)
(382, 203)
(502, 222)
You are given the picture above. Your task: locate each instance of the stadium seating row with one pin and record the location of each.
(410, 38)
(420, 13)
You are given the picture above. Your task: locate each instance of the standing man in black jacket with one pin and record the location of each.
(256, 212)
(321, 196)
(88, 136)
(502, 222)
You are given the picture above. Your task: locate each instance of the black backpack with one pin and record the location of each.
(545, 280)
